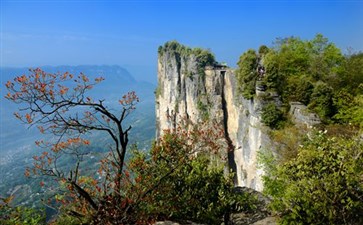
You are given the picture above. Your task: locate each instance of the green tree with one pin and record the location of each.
(272, 116)
(299, 89)
(349, 108)
(274, 79)
(325, 57)
(247, 73)
(351, 74)
(293, 66)
(322, 101)
(263, 50)
(322, 185)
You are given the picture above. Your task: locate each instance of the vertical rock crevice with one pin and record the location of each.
(188, 93)
(231, 162)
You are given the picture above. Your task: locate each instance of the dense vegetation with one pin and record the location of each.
(321, 185)
(19, 215)
(189, 186)
(247, 73)
(185, 166)
(314, 72)
(316, 176)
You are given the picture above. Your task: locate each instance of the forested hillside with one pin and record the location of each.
(315, 175)
(314, 72)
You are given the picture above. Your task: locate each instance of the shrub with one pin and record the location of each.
(203, 57)
(322, 101)
(186, 178)
(263, 50)
(322, 185)
(299, 89)
(272, 116)
(19, 215)
(203, 110)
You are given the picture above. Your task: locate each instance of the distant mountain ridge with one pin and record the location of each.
(117, 81)
(112, 73)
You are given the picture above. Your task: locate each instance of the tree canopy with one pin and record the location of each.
(314, 72)
(322, 185)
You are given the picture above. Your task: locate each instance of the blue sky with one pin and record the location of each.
(128, 33)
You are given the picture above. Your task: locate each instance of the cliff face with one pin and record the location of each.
(184, 91)
(246, 132)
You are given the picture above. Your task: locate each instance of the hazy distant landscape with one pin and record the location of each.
(18, 141)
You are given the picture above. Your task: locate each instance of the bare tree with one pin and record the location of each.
(58, 105)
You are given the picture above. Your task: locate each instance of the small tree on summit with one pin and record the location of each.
(58, 104)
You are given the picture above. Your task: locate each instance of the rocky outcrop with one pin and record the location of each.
(300, 114)
(184, 91)
(188, 89)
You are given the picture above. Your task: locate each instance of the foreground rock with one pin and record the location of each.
(260, 216)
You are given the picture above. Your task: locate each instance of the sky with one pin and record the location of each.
(128, 33)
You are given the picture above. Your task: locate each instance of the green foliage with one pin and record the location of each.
(203, 110)
(64, 219)
(272, 116)
(287, 141)
(302, 71)
(187, 179)
(20, 215)
(196, 193)
(247, 74)
(274, 78)
(307, 71)
(322, 185)
(203, 57)
(263, 50)
(322, 101)
(351, 74)
(293, 56)
(299, 89)
(325, 57)
(315, 60)
(349, 107)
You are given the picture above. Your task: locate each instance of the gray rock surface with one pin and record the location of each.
(267, 221)
(300, 114)
(184, 93)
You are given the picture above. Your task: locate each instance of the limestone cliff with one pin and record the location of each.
(188, 87)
